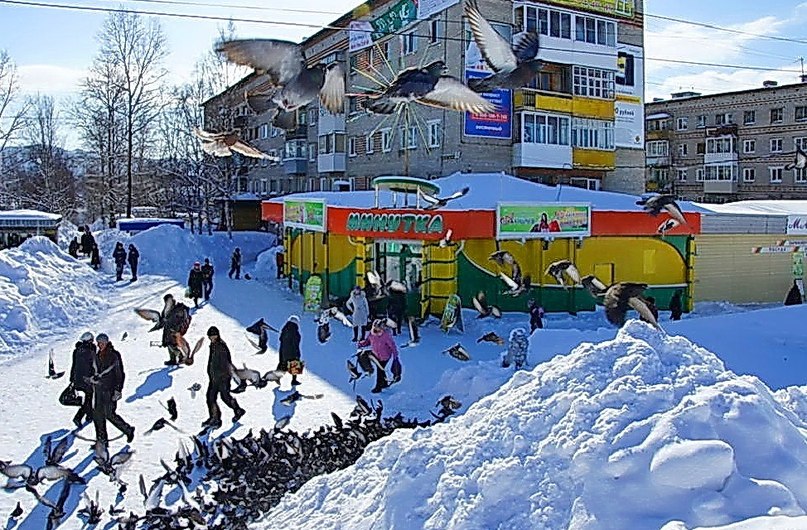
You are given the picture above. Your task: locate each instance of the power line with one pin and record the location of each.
(728, 30)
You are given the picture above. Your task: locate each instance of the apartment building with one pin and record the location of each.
(728, 147)
(580, 121)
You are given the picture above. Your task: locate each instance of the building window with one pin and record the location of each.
(701, 121)
(682, 175)
(408, 139)
(776, 174)
(725, 172)
(593, 134)
(699, 175)
(658, 148)
(776, 145)
(595, 31)
(749, 117)
(749, 146)
(409, 43)
(273, 154)
(435, 133)
(549, 22)
(749, 174)
(369, 144)
(435, 31)
(700, 148)
(332, 143)
(544, 129)
(800, 143)
(777, 115)
(682, 149)
(275, 131)
(723, 118)
(681, 124)
(351, 146)
(720, 145)
(313, 114)
(801, 113)
(800, 176)
(312, 152)
(264, 131)
(386, 140)
(296, 150)
(593, 82)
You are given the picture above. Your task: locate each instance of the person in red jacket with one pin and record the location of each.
(384, 348)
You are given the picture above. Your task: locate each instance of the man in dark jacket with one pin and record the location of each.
(83, 368)
(676, 307)
(72, 248)
(95, 256)
(119, 254)
(289, 346)
(396, 309)
(195, 281)
(207, 278)
(176, 319)
(536, 316)
(235, 264)
(219, 371)
(133, 258)
(108, 380)
(87, 241)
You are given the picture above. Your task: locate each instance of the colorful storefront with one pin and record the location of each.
(439, 252)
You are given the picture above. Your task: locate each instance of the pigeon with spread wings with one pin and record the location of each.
(594, 285)
(484, 309)
(513, 66)
(563, 267)
(437, 202)
(227, 143)
(623, 295)
(800, 162)
(653, 205)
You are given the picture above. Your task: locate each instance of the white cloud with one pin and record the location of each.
(714, 81)
(50, 79)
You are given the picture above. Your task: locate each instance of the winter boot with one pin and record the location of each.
(129, 434)
(239, 413)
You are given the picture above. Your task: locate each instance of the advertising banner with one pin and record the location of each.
(312, 299)
(620, 8)
(427, 8)
(497, 124)
(400, 15)
(796, 225)
(534, 221)
(308, 214)
(629, 105)
(359, 35)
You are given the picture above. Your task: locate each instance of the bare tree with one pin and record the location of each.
(11, 119)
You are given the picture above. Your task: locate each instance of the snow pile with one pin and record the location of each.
(42, 288)
(642, 431)
(265, 264)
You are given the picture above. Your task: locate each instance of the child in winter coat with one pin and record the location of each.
(517, 349)
(384, 348)
(357, 304)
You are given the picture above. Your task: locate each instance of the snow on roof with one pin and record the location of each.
(29, 215)
(658, 116)
(488, 189)
(148, 220)
(759, 207)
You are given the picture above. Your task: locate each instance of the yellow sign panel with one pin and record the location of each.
(620, 8)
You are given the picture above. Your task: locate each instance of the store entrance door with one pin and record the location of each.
(403, 262)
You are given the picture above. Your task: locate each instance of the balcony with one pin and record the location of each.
(329, 123)
(727, 129)
(542, 155)
(295, 166)
(660, 134)
(657, 161)
(719, 186)
(531, 99)
(331, 163)
(593, 159)
(299, 132)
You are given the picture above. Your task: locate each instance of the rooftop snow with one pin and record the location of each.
(29, 214)
(765, 207)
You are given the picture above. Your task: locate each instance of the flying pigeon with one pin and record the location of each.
(513, 66)
(458, 352)
(653, 205)
(92, 509)
(431, 87)
(225, 143)
(52, 373)
(292, 84)
(16, 512)
(445, 241)
(516, 287)
(172, 409)
(436, 202)
(667, 225)
(620, 296)
(485, 310)
(593, 285)
(800, 162)
(502, 257)
(561, 267)
(490, 337)
(194, 388)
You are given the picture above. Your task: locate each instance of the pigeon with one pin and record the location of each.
(620, 296)
(458, 352)
(653, 205)
(194, 388)
(123, 337)
(490, 337)
(431, 87)
(172, 409)
(21, 472)
(52, 373)
(283, 422)
(55, 456)
(667, 225)
(55, 472)
(502, 257)
(16, 512)
(800, 162)
(513, 66)
(593, 285)
(561, 267)
(92, 509)
(449, 402)
(159, 424)
(485, 310)
(436, 202)
(445, 241)
(355, 375)
(516, 287)
(291, 84)
(225, 143)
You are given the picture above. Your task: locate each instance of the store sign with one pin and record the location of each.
(620, 8)
(400, 15)
(406, 224)
(359, 35)
(796, 225)
(308, 214)
(535, 221)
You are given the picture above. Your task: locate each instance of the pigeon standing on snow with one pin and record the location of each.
(653, 205)
(225, 143)
(513, 66)
(800, 162)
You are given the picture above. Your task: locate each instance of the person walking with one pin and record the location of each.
(676, 307)
(536, 316)
(290, 346)
(108, 377)
(384, 348)
(360, 309)
(176, 318)
(235, 264)
(119, 255)
(133, 258)
(80, 371)
(87, 241)
(207, 278)
(195, 282)
(396, 309)
(517, 349)
(95, 258)
(219, 372)
(280, 259)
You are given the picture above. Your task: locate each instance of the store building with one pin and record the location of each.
(18, 225)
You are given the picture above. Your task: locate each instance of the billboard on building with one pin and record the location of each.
(395, 18)
(359, 35)
(497, 124)
(629, 104)
(427, 8)
(308, 214)
(619, 8)
(534, 221)
(797, 225)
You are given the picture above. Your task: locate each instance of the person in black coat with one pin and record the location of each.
(107, 379)
(133, 257)
(207, 278)
(536, 316)
(676, 307)
(119, 255)
(396, 309)
(235, 264)
(95, 259)
(219, 372)
(87, 241)
(290, 345)
(73, 247)
(793, 295)
(195, 282)
(82, 369)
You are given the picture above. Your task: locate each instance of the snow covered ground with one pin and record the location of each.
(606, 429)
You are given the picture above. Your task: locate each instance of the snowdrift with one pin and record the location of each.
(642, 431)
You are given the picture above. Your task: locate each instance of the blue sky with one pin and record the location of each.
(53, 47)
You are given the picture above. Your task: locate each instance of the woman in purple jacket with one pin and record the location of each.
(384, 348)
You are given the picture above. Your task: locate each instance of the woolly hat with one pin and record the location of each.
(86, 337)
(212, 331)
(101, 337)
(166, 297)
(295, 319)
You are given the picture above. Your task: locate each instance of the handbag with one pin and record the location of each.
(295, 367)
(69, 398)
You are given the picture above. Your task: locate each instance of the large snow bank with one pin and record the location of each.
(638, 432)
(42, 289)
